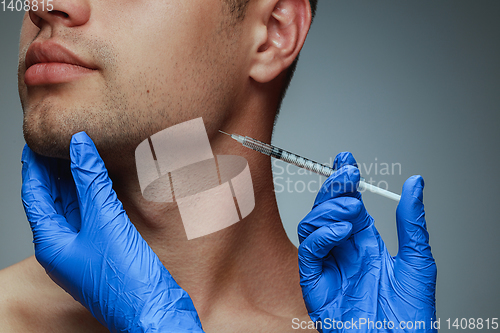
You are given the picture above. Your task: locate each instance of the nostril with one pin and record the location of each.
(59, 13)
(67, 13)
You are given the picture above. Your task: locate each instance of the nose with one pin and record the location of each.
(70, 13)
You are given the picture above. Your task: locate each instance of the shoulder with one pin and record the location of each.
(31, 302)
(13, 294)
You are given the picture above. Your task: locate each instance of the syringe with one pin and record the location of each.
(304, 163)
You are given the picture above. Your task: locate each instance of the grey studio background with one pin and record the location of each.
(409, 85)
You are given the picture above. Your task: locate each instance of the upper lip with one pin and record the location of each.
(46, 52)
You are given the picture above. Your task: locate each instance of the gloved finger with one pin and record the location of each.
(344, 158)
(67, 194)
(337, 184)
(96, 196)
(50, 230)
(343, 182)
(37, 191)
(26, 160)
(413, 237)
(317, 246)
(343, 209)
(49, 171)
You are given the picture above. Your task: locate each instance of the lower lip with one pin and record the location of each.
(54, 73)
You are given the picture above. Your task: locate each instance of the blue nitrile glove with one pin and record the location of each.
(88, 246)
(346, 272)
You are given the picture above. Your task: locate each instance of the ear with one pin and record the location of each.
(283, 27)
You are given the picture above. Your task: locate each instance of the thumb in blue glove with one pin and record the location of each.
(88, 246)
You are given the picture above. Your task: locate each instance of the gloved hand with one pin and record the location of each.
(88, 246)
(346, 272)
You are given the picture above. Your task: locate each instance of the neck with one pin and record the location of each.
(251, 262)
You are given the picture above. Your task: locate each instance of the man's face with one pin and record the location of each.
(142, 66)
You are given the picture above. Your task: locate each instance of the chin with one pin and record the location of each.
(46, 145)
(46, 140)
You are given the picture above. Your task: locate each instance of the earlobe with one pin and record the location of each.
(287, 23)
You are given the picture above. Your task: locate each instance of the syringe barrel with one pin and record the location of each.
(288, 157)
(307, 164)
(261, 147)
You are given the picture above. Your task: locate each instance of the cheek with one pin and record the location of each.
(159, 64)
(28, 33)
(160, 38)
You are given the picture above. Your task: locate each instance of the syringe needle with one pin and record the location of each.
(224, 133)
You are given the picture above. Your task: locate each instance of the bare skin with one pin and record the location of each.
(152, 64)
